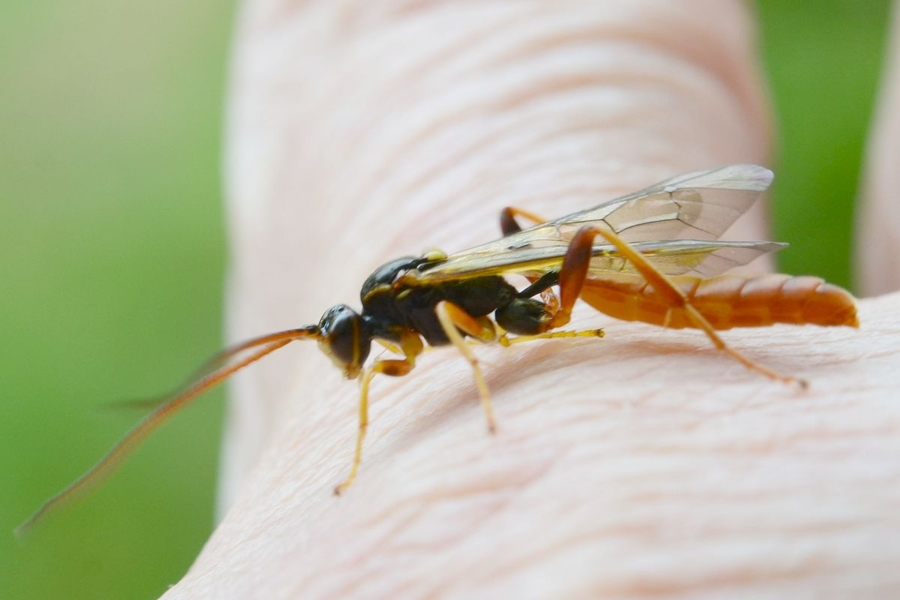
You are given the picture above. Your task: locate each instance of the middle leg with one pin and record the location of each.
(454, 319)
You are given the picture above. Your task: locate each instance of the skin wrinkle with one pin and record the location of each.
(436, 125)
(574, 38)
(614, 27)
(465, 54)
(655, 30)
(601, 32)
(474, 194)
(365, 581)
(475, 526)
(445, 494)
(391, 541)
(497, 505)
(338, 88)
(395, 159)
(722, 583)
(482, 481)
(625, 532)
(517, 479)
(481, 148)
(532, 561)
(377, 543)
(521, 199)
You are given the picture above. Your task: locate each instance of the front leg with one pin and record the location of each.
(411, 346)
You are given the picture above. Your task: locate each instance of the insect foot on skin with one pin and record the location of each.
(652, 256)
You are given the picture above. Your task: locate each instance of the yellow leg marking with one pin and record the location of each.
(390, 347)
(679, 301)
(505, 340)
(480, 328)
(361, 432)
(452, 319)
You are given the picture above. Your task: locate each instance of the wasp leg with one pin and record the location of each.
(507, 341)
(390, 346)
(574, 272)
(411, 346)
(453, 319)
(508, 223)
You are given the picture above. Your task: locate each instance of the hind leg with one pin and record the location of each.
(574, 271)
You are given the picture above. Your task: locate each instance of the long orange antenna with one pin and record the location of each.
(211, 364)
(129, 442)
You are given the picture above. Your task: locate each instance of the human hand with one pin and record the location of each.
(641, 463)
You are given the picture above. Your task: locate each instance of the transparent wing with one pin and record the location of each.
(674, 223)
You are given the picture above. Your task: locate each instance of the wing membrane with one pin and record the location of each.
(656, 220)
(675, 257)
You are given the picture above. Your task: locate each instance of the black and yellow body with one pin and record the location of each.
(396, 305)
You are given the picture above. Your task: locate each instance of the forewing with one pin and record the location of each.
(681, 257)
(700, 206)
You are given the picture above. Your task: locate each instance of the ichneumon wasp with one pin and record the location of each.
(652, 256)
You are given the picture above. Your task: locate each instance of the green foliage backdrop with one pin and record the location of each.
(111, 263)
(112, 254)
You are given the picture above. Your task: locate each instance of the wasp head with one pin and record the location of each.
(344, 337)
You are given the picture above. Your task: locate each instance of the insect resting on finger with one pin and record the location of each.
(652, 256)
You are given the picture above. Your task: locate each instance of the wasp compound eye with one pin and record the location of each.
(344, 339)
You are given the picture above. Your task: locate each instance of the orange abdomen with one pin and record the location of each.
(726, 301)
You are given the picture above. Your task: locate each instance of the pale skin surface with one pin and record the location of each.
(878, 226)
(643, 464)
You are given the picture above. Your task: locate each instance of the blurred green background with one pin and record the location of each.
(112, 254)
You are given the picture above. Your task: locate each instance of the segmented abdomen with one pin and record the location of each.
(726, 301)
